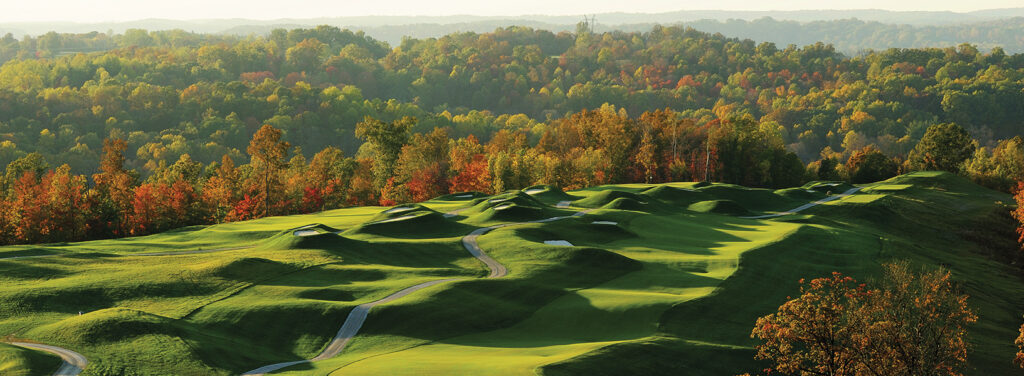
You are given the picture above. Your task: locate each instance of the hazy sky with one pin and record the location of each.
(121, 10)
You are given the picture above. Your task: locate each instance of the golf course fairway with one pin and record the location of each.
(609, 280)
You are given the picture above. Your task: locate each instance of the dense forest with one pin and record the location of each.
(156, 130)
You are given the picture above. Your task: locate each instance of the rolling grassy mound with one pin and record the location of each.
(461, 196)
(607, 197)
(548, 193)
(514, 206)
(408, 221)
(676, 196)
(578, 231)
(727, 207)
(662, 279)
(18, 361)
(626, 203)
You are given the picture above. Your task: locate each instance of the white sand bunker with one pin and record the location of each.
(399, 209)
(397, 219)
(532, 191)
(604, 223)
(465, 196)
(306, 232)
(502, 206)
(558, 242)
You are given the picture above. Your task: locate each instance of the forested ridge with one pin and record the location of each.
(853, 36)
(167, 129)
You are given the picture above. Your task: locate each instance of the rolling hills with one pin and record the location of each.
(655, 279)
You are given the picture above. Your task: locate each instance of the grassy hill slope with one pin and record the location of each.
(660, 279)
(18, 361)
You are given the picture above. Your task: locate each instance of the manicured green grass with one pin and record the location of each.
(214, 313)
(669, 281)
(18, 361)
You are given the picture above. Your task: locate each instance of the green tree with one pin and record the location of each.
(999, 169)
(753, 154)
(387, 140)
(869, 165)
(33, 162)
(944, 147)
(306, 55)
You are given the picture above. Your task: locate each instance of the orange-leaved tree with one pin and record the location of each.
(918, 320)
(814, 334)
(1019, 215)
(1019, 212)
(268, 153)
(220, 191)
(1019, 359)
(911, 323)
(468, 164)
(113, 188)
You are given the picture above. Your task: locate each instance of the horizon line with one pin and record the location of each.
(3, 22)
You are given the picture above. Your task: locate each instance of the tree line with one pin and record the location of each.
(397, 165)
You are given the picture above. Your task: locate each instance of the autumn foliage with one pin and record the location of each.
(398, 163)
(1018, 213)
(910, 323)
(1019, 358)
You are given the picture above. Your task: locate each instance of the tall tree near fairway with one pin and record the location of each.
(330, 175)
(869, 165)
(944, 147)
(66, 206)
(468, 167)
(113, 188)
(220, 190)
(28, 200)
(423, 165)
(268, 154)
(387, 140)
(647, 156)
(752, 154)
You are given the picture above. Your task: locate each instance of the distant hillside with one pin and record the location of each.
(852, 36)
(618, 18)
(851, 31)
